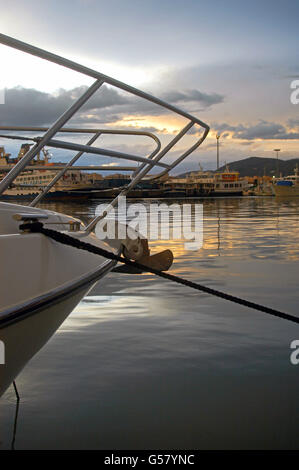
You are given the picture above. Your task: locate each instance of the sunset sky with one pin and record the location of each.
(230, 63)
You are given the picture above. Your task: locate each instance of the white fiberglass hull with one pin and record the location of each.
(24, 338)
(42, 281)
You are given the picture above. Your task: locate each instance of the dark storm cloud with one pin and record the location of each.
(33, 107)
(262, 130)
(205, 99)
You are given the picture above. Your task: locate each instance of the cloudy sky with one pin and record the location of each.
(230, 63)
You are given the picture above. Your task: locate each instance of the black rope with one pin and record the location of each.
(37, 227)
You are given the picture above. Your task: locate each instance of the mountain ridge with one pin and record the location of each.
(258, 166)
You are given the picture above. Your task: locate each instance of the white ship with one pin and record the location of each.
(206, 183)
(39, 174)
(228, 183)
(42, 280)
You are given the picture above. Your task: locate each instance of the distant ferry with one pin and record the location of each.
(288, 186)
(206, 184)
(228, 183)
(29, 183)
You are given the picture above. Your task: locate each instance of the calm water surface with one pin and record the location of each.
(143, 363)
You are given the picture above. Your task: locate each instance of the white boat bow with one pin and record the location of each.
(42, 280)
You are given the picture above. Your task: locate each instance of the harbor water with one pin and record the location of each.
(143, 363)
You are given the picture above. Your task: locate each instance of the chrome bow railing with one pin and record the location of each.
(88, 149)
(153, 160)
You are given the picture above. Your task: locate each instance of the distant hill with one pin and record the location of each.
(258, 166)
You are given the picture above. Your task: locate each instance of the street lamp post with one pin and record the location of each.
(217, 140)
(277, 163)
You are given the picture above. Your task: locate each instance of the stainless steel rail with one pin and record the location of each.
(16, 170)
(47, 139)
(97, 133)
(22, 46)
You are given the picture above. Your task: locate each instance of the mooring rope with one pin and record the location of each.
(37, 227)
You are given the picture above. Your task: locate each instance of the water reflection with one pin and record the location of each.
(229, 223)
(143, 363)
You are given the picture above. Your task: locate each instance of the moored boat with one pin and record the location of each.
(206, 184)
(42, 280)
(288, 186)
(228, 183)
